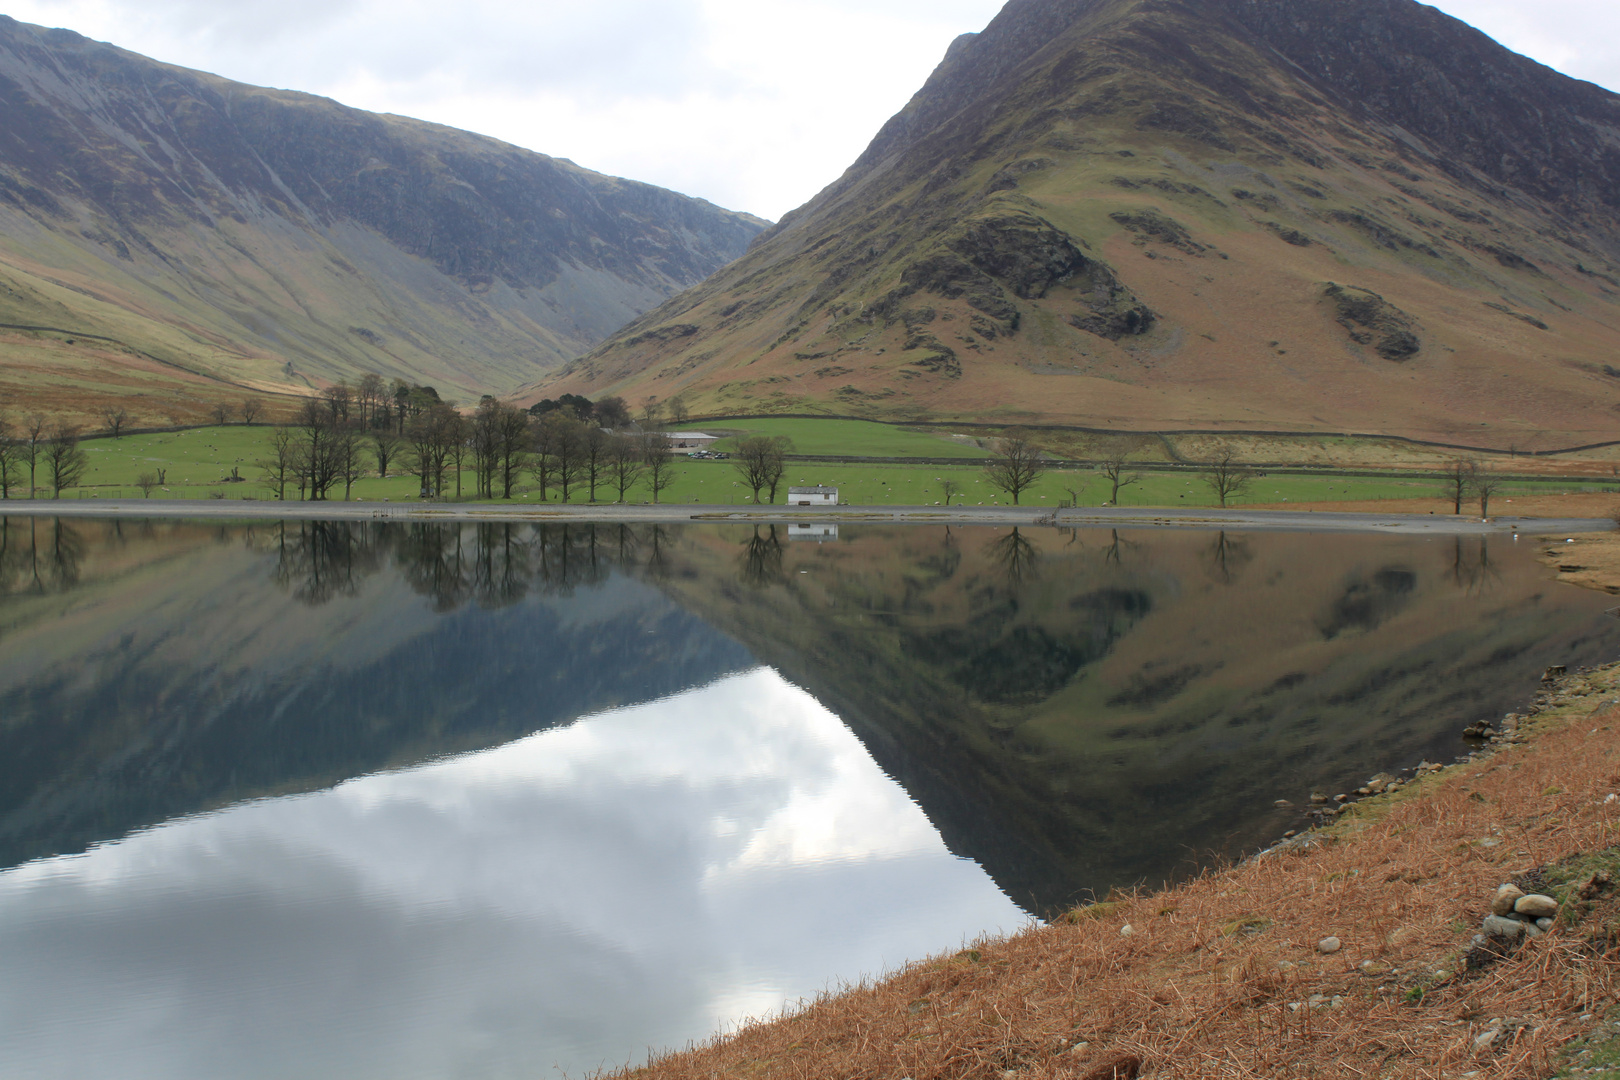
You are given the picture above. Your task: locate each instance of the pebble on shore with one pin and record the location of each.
(1329, 945)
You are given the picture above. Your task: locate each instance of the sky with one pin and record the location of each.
(752, 104)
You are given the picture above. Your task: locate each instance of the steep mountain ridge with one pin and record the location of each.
(278, 240)
(1155, 213)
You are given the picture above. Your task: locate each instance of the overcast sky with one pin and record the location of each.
(753, 104)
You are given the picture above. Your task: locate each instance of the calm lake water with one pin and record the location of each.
(424, 801)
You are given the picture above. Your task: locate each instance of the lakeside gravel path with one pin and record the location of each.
(1084, 517)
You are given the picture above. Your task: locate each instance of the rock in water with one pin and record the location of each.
(1506, 897)
(1536, 906)
(1329, 945)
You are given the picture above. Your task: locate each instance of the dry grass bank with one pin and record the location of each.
(1223, 977)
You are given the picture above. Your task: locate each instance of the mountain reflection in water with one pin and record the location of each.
(1071, 711)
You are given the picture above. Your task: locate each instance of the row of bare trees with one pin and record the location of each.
(116, 417)
(1018, 462)
(327, 446)
(36, 446)
(1467, 479)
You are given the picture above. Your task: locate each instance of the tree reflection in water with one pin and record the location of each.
(39, 556)
(1471, 569)
(762, 558)
(1227, 558)
(1016, 556)
(491, 564)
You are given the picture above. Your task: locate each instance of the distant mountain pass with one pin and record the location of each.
(182, 230)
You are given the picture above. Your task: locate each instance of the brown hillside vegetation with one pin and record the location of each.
(1184, 213)
(1223, 977)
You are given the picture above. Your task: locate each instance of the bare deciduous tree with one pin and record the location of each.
(949, 488)
(513, 437)
(146, 482)
(250, 410)
(339, 400)
(384, 447)
(1017, 464)
(594, 455)
(1459, 481)
(430, 438)
(660, 462)
(281, 465)
(348, 457)
(611, 413)
(558, 441)
(369, 394)
(677, 410)
(116, 417)
(1486, 484)
(65, 460)
(222, 412)
(1227, 477)
(626, 463)
(33, 439)
(761, 461)
(10, 458)
(1116, 467)
(652, 414)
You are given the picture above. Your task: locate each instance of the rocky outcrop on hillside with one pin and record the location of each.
(1372, 320)
(153, 179)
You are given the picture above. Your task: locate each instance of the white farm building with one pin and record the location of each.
(812, 496)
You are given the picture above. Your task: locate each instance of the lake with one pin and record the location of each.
(429, 800)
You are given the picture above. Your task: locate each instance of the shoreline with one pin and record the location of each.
(608, 513)
(1353, 949)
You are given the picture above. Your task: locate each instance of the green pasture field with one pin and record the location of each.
(199, 461)
(855, 438)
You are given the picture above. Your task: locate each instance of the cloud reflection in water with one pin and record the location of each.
(638, 879)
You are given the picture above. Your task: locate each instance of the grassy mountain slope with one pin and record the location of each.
(1273, 214)
(172, 220)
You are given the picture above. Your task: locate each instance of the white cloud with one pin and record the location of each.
(753, 104)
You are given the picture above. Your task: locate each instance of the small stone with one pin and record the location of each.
(1536, 906)
(1329, 945)
(1506, 897)
(1497, 926)
(1488, 1038)
(1341, 798)
(1079, 1047)
(1127, 930)
(1546, 925)
(1532, 931)
(1282, 804)
(1317, 798)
